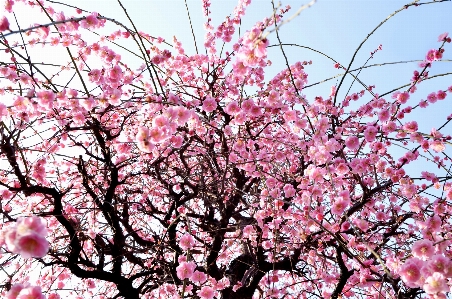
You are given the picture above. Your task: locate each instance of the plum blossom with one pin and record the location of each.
(90, 21)
(435, 283)
(339, 206)
(24, 291)
(183, 114)
(370, 133)
(352, 142)
(443, 37)
(289, 190)
(4, 24)
(433, 55)
(232, 108)
(441, 95)
(437, 146)
(411, 126)
(403, 97)
(27, 237)
(14, 291)
(423, 249)
(31, 292)
(410, 272)
(199, 277)
(46, 98)
(143, 140)
(206, 292)
(186, 242)
(438, 263)
(209, 104)
(342, 169)
(3, 111)
(185, 270)
(254, 48)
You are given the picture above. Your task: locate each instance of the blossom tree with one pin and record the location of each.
(194, 176)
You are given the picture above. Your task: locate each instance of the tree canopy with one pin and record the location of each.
(194, 176)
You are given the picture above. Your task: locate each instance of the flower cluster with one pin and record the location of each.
(27, 237)
(24, 291)
(254, 48)
(427, 270)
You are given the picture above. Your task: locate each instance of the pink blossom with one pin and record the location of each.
(32, 292)
(339, 206)
(247, 105)
(31, 224)
(115, 74)
(390, 127)
(142, 134)
(438, 263)
(423, 249)
(186, 242)
(157, 135)
(232, 108)
(271, 182)
(290, 115)
(143, 140)
(183, 114)
(361, 224)
(432, 97)
(370, 133)
(384, 115)
(342, 169)
(289, 190)
(9, 5)
(198, 277)
(344, 194)
(3, 111)
(437, 146)
(411, 126)
(46, 98)
(255, 111)
(177, 141)
(435, 283)
(185, 270)
(260, 49)
(27, 237)
(206, 292)
(160, 121)
(431, 55)
(32, 245)
(14, 291)
(4, 24)
(90, 283)
(352, 142)
(441, 95)
(403, 97)
(209, 104)
(410, 272)
(443, 36)
(90, 21)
